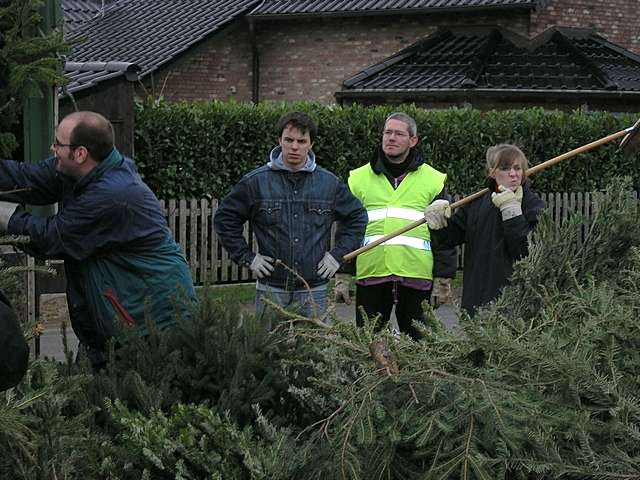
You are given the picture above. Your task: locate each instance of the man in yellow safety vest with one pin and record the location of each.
(395, 187)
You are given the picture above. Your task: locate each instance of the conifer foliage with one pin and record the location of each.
(29, 61)
(542, 384)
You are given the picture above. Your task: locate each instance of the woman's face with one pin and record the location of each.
(509, 176)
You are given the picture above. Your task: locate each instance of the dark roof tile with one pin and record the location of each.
(77, 12)
(150, 33)
(492, 59)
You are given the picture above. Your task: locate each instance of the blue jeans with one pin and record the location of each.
(308, 303)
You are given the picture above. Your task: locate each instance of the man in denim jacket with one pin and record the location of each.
(291, 204)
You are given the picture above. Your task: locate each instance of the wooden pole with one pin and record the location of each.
(532, 171)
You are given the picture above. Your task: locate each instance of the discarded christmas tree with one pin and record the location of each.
(543, 384)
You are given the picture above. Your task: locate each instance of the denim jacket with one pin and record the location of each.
(290, 213)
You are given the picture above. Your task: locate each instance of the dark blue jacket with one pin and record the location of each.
(291, 214)
(120, 259)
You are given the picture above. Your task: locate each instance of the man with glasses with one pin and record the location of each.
(291, 203)
(121, 262)
(395, 187)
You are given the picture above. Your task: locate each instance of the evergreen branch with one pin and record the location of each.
(304, 282)
(326, 421)
(351, 421)
(293, 317)
(467, 449)
(8, 104)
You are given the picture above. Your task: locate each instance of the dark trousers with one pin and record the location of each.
(380, 299)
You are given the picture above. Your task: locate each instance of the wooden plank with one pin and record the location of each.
(565, 206)
(172, 214)
(225, 262)
(580, 211)
(194, 213)
(214, 274)
(550, 205)
(204, 241)
(182, 225)
(587, 214)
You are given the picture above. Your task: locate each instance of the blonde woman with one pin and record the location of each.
(493, 228)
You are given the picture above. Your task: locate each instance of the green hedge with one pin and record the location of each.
(190, 150)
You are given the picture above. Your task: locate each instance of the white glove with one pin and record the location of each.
(436, 214)
(341, 289)
(7, 209)
(509, 202)
(261, 265)
(328, 266)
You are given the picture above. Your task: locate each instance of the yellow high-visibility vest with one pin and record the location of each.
(389, 209)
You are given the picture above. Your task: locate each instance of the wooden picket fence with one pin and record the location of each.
(191, 222)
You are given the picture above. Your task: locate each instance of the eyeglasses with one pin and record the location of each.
(397, 133)
(56, 144)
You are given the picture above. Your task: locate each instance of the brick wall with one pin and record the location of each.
(616, 20)
(299, 59)
(309, 59)
(218, 68)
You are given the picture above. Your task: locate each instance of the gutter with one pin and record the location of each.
(499, 94)
(393, 12)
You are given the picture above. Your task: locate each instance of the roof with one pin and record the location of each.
(76, 12)
(88, 74)
(277, 8)
(492, 59)
(148, 33)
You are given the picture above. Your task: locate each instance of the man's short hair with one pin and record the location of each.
(94, 132)
(404, 118)
(298, 120)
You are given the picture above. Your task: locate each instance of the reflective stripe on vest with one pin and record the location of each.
(412, 242)
(395, 212)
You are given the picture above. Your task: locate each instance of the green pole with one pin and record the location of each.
(39, 119)
(40, 114)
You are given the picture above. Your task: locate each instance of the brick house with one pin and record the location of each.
(276, 50)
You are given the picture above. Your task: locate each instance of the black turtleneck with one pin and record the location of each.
(396, 169)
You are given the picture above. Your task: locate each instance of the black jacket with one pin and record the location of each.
(14, 351)
(491, 245)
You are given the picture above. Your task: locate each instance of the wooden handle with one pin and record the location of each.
(470, 198)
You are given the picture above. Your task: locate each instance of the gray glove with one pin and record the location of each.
(328, 266)
(261, 265)
(341, 290)
(6, 211)
(436, 214)
(509, 202)
(441, 292)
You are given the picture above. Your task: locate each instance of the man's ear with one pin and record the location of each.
(82, 155)
(413, 141)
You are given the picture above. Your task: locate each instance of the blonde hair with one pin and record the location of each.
(504, 155)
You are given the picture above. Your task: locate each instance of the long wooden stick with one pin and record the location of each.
(533, 170)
